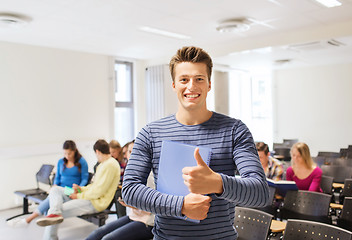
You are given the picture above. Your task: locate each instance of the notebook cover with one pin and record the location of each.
(174, 157)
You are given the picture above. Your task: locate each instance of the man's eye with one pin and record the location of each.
(200, 79)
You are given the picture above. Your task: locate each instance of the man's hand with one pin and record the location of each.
(201, 179)
(120, 200)
(196, 206)
(73, 196)
(76, 188)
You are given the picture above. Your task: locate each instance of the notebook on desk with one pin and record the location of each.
(283, 186)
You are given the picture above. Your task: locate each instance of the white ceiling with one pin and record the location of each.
(112, 27)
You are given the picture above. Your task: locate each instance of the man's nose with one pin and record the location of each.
(191, 84)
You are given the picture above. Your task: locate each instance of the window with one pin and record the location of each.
(124, 112)
(250, 101)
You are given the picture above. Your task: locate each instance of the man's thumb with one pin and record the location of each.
(198, 158)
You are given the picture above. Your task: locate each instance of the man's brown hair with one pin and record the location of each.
(193, 55)
(261, 146)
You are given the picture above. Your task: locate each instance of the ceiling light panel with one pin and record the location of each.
(164, 33)
(329, 3)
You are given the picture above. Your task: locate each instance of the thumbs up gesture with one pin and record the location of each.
(201, 179)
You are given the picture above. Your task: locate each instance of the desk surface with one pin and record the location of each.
(277, 226)
(336, 206)
(338, 185)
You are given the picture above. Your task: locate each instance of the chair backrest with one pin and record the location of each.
(290, 142)
(326, 184)
(345, 218)
(342, 162)
(307, 203)
(347, 209)
(44, 173)
(252, 224)
(284, 151)
(343, 152)
(90, 177)
(272, 191)
(319, 160)
(329, 154)
(339, 173)
(349, 151)
(347, 189)
(300, 229)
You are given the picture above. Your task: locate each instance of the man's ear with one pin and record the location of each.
(209, 86)
(173, 85)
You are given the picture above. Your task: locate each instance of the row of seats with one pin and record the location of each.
(255, 224)
(37, 195)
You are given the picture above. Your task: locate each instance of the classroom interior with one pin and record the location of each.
(288, 76)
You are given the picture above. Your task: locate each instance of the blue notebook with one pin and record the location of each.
(282, 186)
(174, 157)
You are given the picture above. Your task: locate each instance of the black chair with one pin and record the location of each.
(283, 151)
(289, 142)
(342, 162)
(42, 177)
(272, 207)
(252, 224)
(349, 151)
(329, 154)
(100, 218)
(300, 229)
(345, 219)
(326, 184)
(306, 205)
(343, 152)
(346, 191)
(38, 198)
(339, 173)
(319, 160)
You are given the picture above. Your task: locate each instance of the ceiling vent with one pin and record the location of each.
(13, 20)
(281, 62)
(234, 25)
(317, 45)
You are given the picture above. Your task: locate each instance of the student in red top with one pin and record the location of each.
(304, 171)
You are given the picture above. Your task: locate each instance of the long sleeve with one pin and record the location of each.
(250, 189)
(135, 179)
(59, 166)
(84, 172)
(103, 189)
(315, 184)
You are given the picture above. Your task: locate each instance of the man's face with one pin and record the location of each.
(191, 85)
(264, 158)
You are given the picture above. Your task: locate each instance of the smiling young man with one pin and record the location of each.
(214, 189)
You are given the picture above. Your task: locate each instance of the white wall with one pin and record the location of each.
(314, 105)
(46, 97)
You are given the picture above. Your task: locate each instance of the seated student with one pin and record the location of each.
(90, 199)
(123, 162)
(137, 225)
(304, 171)
(71, 169)
(273, 168)
(115, 152)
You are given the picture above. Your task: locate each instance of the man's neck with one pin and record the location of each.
(105, 157)
(193, 117)
(265, 165)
